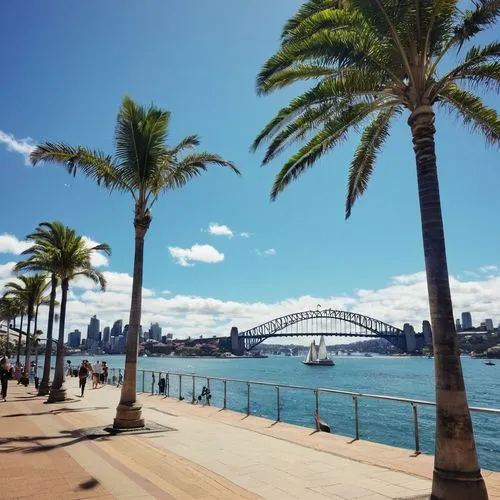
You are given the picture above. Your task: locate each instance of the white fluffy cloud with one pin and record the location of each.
(245, 235)
(22, 146)
(403, 300)
(220, 230)
(99, 259)
(197, 253)
(10, 244)
(269, 251)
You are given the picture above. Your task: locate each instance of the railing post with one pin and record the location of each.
(180, 387)
(278, 413)
(143, 375)
(168, 385)
(415, 427)
(356, 417)
(208, 387)
(225, 395)
(194, 389)
(248, 399)
(316, 402)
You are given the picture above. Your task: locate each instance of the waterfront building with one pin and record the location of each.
(116, 330)
(458, 325)
(427, 332)
(466, 321)
(489, 325)
(93, 330)
(155, 332)
(75, 338)
(106, 335)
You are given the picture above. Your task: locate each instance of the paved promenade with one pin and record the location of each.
(200, 453)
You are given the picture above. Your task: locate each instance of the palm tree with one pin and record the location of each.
(66, 256)
(372, 61)
(144, 166)
(8, 312)
(29, 290)
(43, 256)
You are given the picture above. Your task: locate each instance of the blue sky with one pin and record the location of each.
(68, 64)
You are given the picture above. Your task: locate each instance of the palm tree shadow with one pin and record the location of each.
(55, 412)
(35, 443)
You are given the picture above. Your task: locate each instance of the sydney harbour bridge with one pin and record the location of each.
(328, 322)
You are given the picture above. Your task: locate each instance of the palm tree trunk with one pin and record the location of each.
(457, 474)
(43, 389)
(7, 349)
(57, 390)
(19, 341)
(35, 340)
(27, 353)
(128, 411)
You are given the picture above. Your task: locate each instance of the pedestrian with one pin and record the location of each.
(82, 375)
(105, 373)
(120, 377)
(18, 372)
(69, 369)
(97, 371)
(5, 374)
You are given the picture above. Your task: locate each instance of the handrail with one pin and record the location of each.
(415, 403)
(324, 389)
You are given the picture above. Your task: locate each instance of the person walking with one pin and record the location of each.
(97, 371)
(83, 373)
(105, 373)
(5, 374)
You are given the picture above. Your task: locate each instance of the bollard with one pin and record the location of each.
(356, 417)
(415, 427)
(278, 414)
(225, 395)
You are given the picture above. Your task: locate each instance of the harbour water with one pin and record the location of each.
(380, 421)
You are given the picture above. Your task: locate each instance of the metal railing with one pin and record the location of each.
(356, 396)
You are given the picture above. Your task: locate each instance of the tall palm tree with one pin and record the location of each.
(144, 166)
(372, 61)
(43, 256)
(8, 312)
(66, 256)
(30, 291)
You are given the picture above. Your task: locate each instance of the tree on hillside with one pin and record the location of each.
(371, 62)
(145, 167)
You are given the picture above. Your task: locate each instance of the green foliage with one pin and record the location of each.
(29, 291)
(368, 62)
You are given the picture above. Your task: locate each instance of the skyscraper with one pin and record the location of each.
(116, 331)
(75, 338)
(466, 321)
(458, 325)
(93, 332)
(427, 332)
(489, 325)
(155, 332)
(105, 335)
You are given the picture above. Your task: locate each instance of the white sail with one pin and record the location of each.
(322, 353)
(308, 357)
(314, 352)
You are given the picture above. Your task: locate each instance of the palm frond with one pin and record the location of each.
(96, 276)
(472, 111)
(189, 142)
(473, 21)
(363, 163)
(484, 75)
(332, 133)
(94, 164)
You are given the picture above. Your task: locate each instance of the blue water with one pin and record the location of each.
(380, 421)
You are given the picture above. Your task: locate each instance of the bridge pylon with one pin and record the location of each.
(237, 342)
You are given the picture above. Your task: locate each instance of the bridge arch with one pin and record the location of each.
(365, 326)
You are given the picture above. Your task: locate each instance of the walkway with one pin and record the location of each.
(204, 453)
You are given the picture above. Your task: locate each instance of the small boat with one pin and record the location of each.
(489, 363)
(318, 356)
(368, 355)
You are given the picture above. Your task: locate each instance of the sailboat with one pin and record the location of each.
(318, 356)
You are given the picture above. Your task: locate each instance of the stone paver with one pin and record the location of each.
(210, 454)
